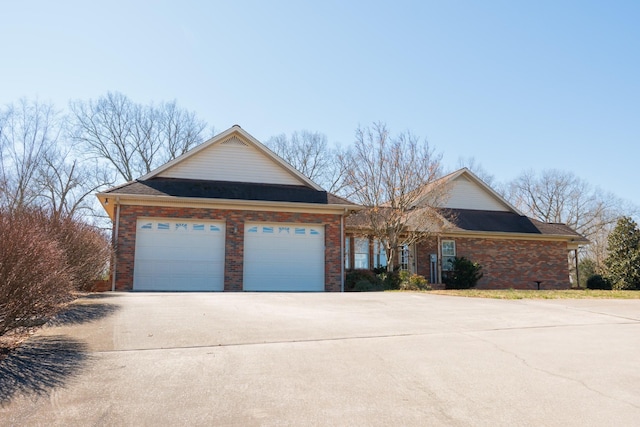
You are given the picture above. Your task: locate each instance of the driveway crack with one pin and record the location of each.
(604, 314)
(548, 372)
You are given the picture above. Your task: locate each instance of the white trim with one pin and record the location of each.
(449, 256)
(238, 204)
(510, 236)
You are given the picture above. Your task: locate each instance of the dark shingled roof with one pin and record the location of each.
(478, 220)
(227, 190)
(559, 229)
(488, 221)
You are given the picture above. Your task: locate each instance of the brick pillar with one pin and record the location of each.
(234, 253)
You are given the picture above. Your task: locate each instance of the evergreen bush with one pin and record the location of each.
(464, 274)
(357, 276)
(596, 281)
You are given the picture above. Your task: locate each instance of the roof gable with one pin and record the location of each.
(466, 191)
(233, 156)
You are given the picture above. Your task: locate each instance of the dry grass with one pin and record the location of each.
(542, 294)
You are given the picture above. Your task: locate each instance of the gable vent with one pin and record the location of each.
(234, 140)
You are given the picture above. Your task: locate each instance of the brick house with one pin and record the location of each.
(475, 222)
(229, 215)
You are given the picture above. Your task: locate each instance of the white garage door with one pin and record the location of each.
(283, 257)
(179, 255)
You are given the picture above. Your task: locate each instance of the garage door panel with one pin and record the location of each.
(284, 257)
(179, 255)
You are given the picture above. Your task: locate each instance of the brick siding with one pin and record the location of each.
(234, 250)
(508, 264)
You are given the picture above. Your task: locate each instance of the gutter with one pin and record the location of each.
(505, 235)
(242, 204)
(439, 263)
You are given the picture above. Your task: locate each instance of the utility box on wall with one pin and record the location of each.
(433, 268)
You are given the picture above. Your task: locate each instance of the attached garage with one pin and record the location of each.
(283, 257)
(228, 215)
(179, 255)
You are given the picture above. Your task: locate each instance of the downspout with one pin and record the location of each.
(439, 263)
(342, 251)
(577, 270)
(115, 246)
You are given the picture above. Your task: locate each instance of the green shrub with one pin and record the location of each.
(465, 274)
(596, 281)
(391, 279)
(367, 286)
(356, 276)
(379, 270)
(404, 275)
(586, 269)
(415, 282)
(623, 260)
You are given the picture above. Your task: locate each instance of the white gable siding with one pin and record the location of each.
(231, 160)
(465, 194)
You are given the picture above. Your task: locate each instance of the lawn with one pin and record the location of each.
(542, 294)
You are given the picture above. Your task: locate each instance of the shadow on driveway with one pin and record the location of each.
(40, 364)
(101, 295)
(78, 313)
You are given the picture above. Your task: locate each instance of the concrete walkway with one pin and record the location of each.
(328, 359)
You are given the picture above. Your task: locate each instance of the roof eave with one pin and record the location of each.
(532, 236)
(104, 198)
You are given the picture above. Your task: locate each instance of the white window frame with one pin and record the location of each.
(404, 257)
(448, 253)
(360, 258)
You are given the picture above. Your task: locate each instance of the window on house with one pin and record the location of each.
(379, 254)
(448, 254)
(347, 253)
(404, 258)
(361, 253)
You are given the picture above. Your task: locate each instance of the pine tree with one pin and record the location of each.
(623, 261)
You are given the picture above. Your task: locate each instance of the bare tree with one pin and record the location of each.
(66, 183)
(179, 129)
(560, 196)
(38, 168)
(134, 138)
(396, 179)
(28, 133)
(310, 154)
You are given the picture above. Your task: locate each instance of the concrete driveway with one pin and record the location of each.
(328, 359)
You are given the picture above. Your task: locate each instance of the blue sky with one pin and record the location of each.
(515, 84)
